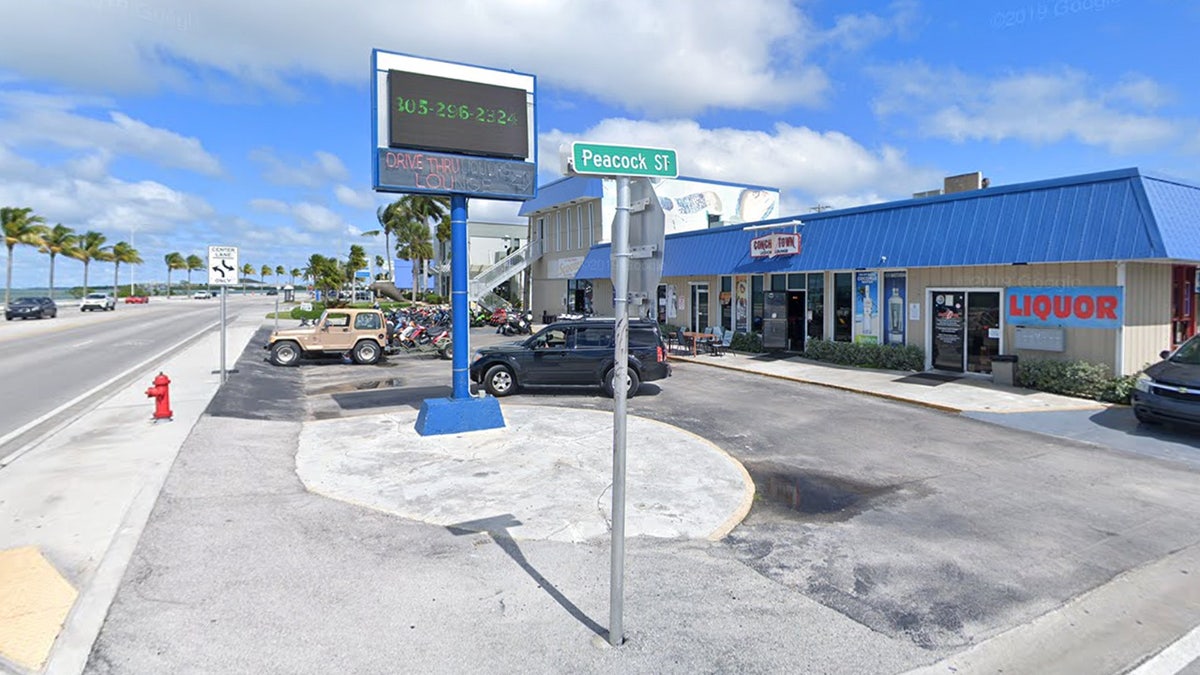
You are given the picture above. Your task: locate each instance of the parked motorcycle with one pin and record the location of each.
(518, 324)
(415, 337)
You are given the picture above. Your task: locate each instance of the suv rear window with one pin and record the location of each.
(366, 322)
(593, 336)
(643, 337)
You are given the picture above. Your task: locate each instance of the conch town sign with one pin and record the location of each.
(771, 245)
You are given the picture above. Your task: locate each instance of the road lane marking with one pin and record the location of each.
(1174, 658)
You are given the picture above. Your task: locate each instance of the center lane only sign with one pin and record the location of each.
(623, 160)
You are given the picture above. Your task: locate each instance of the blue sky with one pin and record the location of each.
(181, 124)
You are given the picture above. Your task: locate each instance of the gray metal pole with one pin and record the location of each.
(277, 310)
(620, 247)
(223, 375)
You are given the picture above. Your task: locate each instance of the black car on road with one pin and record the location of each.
(577, 352)
(31, 308)
(1169, 391)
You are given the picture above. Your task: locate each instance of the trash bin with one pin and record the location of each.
(1004, 369)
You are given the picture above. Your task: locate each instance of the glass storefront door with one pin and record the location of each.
(964, 330)
(699, 307)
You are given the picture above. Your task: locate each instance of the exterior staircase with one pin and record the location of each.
(512, 265)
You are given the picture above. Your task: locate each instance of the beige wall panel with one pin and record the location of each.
(1147, 313)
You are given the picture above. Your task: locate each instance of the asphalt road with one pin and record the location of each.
(53, 361)
(932, 531)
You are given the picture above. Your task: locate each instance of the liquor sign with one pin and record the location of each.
(1076, 306)
(772, 245)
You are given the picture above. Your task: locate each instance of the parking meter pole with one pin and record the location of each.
(620, 279)
(223, 375)
(458, 297)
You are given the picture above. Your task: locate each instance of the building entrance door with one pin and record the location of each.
(699, 307)
(797, 310)
(964, 330)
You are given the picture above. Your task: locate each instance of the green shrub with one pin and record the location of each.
(311, 315)
(1079, 379)
(746, 342)
(866, 355)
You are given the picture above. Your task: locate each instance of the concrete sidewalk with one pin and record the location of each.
(969, 393)
(76, 504)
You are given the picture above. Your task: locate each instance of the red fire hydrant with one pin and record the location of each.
(161, 393)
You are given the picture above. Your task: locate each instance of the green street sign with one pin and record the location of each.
(622, 160)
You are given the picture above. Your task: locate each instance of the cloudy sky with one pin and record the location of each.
(180, 124)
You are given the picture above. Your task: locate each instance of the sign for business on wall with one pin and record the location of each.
(771, 245)
(1073, 306)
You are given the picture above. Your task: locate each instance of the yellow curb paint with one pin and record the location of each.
(34, 602)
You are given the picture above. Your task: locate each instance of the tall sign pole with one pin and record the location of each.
(461, 323)
(621, 162)
(620, 278)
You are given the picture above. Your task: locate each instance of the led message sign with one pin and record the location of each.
(436, 113)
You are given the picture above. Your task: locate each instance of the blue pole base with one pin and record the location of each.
(441, 416)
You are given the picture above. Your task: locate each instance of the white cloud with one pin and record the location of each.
(670, 56)
(855, 32)
(308, 216)
(359, 199)
(1035, 107)
(28, 118)
(269, 205)
(817, 165)
(322, 169)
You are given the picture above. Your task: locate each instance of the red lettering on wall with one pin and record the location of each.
(1042, 307)
(1084, 306)
(1106, 306)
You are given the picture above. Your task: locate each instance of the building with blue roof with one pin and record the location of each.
(1098, 267)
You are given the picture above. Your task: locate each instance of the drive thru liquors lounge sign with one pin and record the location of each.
(772, 245)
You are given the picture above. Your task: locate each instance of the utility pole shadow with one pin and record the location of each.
(497, 527)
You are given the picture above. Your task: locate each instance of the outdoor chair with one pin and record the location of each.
(719, 347)
(681, 340)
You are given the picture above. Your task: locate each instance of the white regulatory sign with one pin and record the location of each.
(222, 265)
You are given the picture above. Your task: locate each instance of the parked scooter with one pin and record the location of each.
(518, 324)
(414, 337)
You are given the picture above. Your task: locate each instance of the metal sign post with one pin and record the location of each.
(224, 376)
(222, 271)
(620, 279)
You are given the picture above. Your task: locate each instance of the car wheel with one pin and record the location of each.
(366, 352)
(633, 379)
(285, 353)
(499, 381)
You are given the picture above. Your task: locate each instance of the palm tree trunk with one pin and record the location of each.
(52, 275)
(116, 276)
(168, 283)
(387, 245)
(8, 278)
(85, 271)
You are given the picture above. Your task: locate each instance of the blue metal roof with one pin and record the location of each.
(1115, 215)
(562, 191)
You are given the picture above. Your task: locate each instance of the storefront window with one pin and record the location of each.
(726, 298)
(579, 296)
(756, 303)
(795, 282)
(779, 282)
(843, 310)
(816, 306)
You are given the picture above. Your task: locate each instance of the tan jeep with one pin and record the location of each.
(360, 332)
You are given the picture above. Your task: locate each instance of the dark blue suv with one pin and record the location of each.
(577, 352)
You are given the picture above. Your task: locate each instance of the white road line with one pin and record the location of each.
(1174, 658)
(90, 392)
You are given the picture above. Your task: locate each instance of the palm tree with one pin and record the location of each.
(21, 226)
(247, 270)
(175, 261)
(90, 246)
(389, 221)
(423, 209)
(266, 272)
(414, 243)
(58, 239)
(194, 262)
(280, 270)
(356, 261)
(123, 252)
(295, 272)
